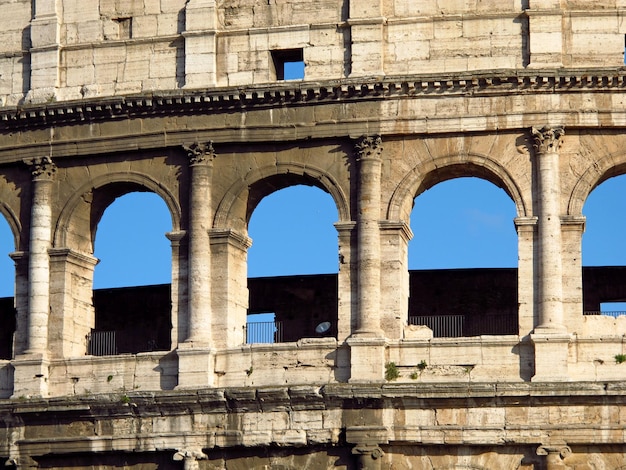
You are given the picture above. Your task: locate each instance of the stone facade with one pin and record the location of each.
(186, 99)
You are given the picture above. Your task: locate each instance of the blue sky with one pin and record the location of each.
(460, 223)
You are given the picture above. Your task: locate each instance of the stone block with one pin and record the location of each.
(145, 26)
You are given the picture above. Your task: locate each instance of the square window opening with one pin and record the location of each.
(288, 64)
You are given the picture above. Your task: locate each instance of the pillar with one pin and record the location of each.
(229, 250)
(31, 367)
(45, 34)
(178, 243)
(395, 238)
(369, 150)
(367, 343)
(200, 221)
(573, 228)
(366, 32)
(200, 43)
(545, 29)
(526, 280)
(39, 261)
(550, 337)
(550, 302)
(196, 359)
(72, 314)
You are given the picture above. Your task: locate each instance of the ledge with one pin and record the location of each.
(299, 93)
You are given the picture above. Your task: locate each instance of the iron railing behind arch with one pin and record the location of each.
(264, 332)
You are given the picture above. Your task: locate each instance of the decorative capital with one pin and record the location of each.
(41, 167)
(372, 451)
(190, 458)
(547, 139)
(200, 153)
(561, 451)
(369, 147)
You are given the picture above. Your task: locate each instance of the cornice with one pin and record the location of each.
(306, 93)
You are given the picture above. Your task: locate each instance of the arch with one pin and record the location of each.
(14, 224)
(426, 175)
(129, 181)
(596, 174)
(296, 174)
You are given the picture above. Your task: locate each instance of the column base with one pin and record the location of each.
(551, 352)
(367, 359)
(196, 366)
(30, 376)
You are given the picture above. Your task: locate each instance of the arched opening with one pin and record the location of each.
(463, 259)
(603, 249)
(132, 292)
(7, 291)
(292, 266)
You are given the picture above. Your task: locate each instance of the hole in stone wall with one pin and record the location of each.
(124, 28)
(288, 64)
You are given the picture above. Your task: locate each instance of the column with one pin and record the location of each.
(30, 377)
(200, 43)
(367, 343)
(369, 457)
(39, 261)
(200, 221)
(368, 158)
(550, 337)
(550, 302)
(196, 359)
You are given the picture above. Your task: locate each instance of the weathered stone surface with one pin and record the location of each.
(185, 99)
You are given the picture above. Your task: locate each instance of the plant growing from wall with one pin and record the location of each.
(391, 371)
(619, 358)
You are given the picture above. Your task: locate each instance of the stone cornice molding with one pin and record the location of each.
(229, 99)
(547, 139)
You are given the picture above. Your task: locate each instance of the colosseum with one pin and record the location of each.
(190, 100)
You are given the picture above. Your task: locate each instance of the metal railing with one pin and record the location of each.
(264, 332)
(606, 314)
(101, 343)
(443, 326)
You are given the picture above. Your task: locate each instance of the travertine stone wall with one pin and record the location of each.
(75, 50)
(182, 99)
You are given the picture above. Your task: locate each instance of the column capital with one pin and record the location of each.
(189, 458)
(41, 168)
(200, 153)
(561, 450)
(372, 451)
(547, 139)
(369, 147)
